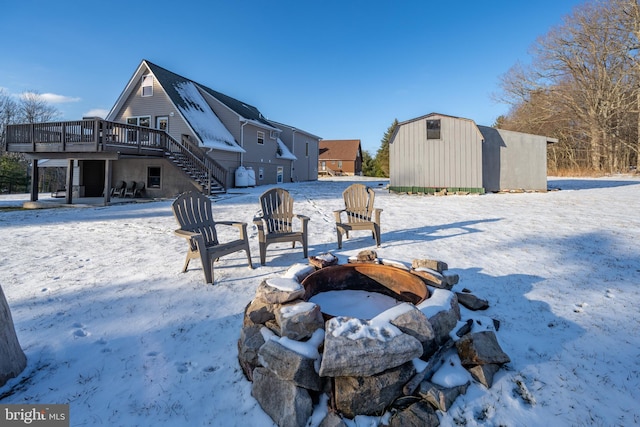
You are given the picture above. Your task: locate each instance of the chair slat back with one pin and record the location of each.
(358, 201)
(277, 210)
(193, 212)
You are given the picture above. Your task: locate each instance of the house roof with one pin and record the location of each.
(188, 97)
(283, 125)
(339, 149)
(240, 108)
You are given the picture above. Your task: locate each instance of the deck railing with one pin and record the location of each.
(83, 136)
(97, 135)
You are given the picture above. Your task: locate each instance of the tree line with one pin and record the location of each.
(583, 88)
(29, 107)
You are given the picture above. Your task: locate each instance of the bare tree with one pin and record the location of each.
(628, 12)
(30, 107)
(35, 109)
(582, 83)
(9, 110)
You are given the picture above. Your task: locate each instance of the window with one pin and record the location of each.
(147, 85)
(433, 129)
(260, 137)
(138, 136)
(340, 164)
(279, 174)
(139, 121)
(306, 150)
(162, 123)
(154, 176)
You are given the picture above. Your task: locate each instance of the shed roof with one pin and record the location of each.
(430, 115)
(488, 132)
(339, 149)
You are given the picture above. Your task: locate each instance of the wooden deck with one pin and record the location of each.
(85, 136)
(105, 140)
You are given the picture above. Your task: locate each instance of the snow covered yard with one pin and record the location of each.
(110, 325)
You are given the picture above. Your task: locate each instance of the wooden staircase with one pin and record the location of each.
(206, 172)
(197, 174)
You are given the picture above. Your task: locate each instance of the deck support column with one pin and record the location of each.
(69, 193)
(35, 177)
(107, 182)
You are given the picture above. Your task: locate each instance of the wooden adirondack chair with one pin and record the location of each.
(359, 213)
(276, 222)
(193, 212)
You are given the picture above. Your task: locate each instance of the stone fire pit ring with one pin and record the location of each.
(384, 279)
(298, 357)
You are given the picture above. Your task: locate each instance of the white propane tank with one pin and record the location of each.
(242, 180)
(251, 177)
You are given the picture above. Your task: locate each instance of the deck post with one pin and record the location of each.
(107, 182)
(69, 194)
(34, 180)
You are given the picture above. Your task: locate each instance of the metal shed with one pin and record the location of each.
(438, 152)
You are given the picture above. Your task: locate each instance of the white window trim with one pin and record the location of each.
(137, 123)
(261, 137)
(161, 174)
(147, 77)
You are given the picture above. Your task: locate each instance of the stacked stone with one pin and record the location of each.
(294, 357)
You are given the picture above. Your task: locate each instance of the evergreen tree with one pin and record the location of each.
(382, 155)
(14, 176)
(368, 164)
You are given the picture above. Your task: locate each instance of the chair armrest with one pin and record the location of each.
(233, 223)
(337, 215)
(302, 218)
(196, 241)
(259, 221)
(241, 226)
(376, 213)
(185, 234)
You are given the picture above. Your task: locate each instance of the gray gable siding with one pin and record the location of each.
(155, 106)
(306, 166)
(304, 146)
(453, 161)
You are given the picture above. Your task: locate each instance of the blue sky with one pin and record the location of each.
(338, 69)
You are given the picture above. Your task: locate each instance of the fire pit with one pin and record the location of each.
(301, 356)
(397, 284)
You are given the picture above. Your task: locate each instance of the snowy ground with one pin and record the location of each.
(111, 326)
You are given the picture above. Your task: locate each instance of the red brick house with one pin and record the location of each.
(340, 157)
